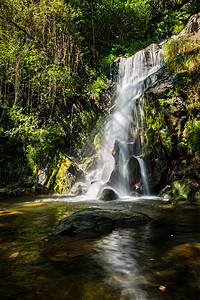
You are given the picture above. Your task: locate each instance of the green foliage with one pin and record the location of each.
(184, 192)
(192, 131)
(163, 131)
(118, 50)
(178, 28)
(97, 141)
(182, 55)
(172, 22)
(109, 26)
(183, 58)
(52, 57)
(12, 158)
(41, 67)
(25, 144)
(179, 200)
(107, 60)
(158, 130)
(138, 44)
(95, 88)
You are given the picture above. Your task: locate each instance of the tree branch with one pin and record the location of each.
(20, 28)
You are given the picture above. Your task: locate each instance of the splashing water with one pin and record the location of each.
(123, 135)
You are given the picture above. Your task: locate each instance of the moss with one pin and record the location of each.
(95, 89)
(177, 189)
(179, 200)
(97, 141)
(159, 129)
(185, 190)
(172, 130)
(49, 183)
(166, 192)
(180, 55)
(64, 179)
(192, 132)
(60, 179)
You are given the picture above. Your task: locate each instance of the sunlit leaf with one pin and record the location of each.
(14, 255)
(162, 288)
(34, 204)
(13, 212)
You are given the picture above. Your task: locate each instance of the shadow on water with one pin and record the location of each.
(158, 260)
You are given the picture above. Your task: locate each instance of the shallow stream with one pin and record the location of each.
(158, 260)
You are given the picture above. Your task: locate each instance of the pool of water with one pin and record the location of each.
(158, 260)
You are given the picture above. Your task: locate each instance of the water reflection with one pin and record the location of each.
(122, 255)
(149, 261)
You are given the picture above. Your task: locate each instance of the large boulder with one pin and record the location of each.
(134, 174)
(98, 221)
(192, 29)
(133, 180)
(108, 194)
(84, 221)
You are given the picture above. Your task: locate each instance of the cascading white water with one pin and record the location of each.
(71, 122)
(124, 126)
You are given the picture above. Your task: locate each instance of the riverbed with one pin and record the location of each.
(155, 260)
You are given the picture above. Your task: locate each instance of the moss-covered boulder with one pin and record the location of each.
(187, 188)
(98, 221)
(179, 200)
(184, 191)
(62, 175)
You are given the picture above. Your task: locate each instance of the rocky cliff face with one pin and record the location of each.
(173, 120)
(192, 29)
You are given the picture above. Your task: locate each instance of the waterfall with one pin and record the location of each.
(121, 165)
(71, 121)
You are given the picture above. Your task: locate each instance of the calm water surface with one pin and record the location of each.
(160, 260)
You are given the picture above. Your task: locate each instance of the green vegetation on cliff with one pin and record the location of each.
(173, 121)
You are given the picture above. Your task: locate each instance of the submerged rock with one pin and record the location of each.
(98, 221)
(108, 194)
(84, 221)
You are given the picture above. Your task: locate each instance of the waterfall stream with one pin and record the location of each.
(121, 165)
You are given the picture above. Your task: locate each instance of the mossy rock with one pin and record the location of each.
(63, 180)
(99, 221)
(178, 188)
(166, 193)
(179, 200)
(197, 196)
(187, 188)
